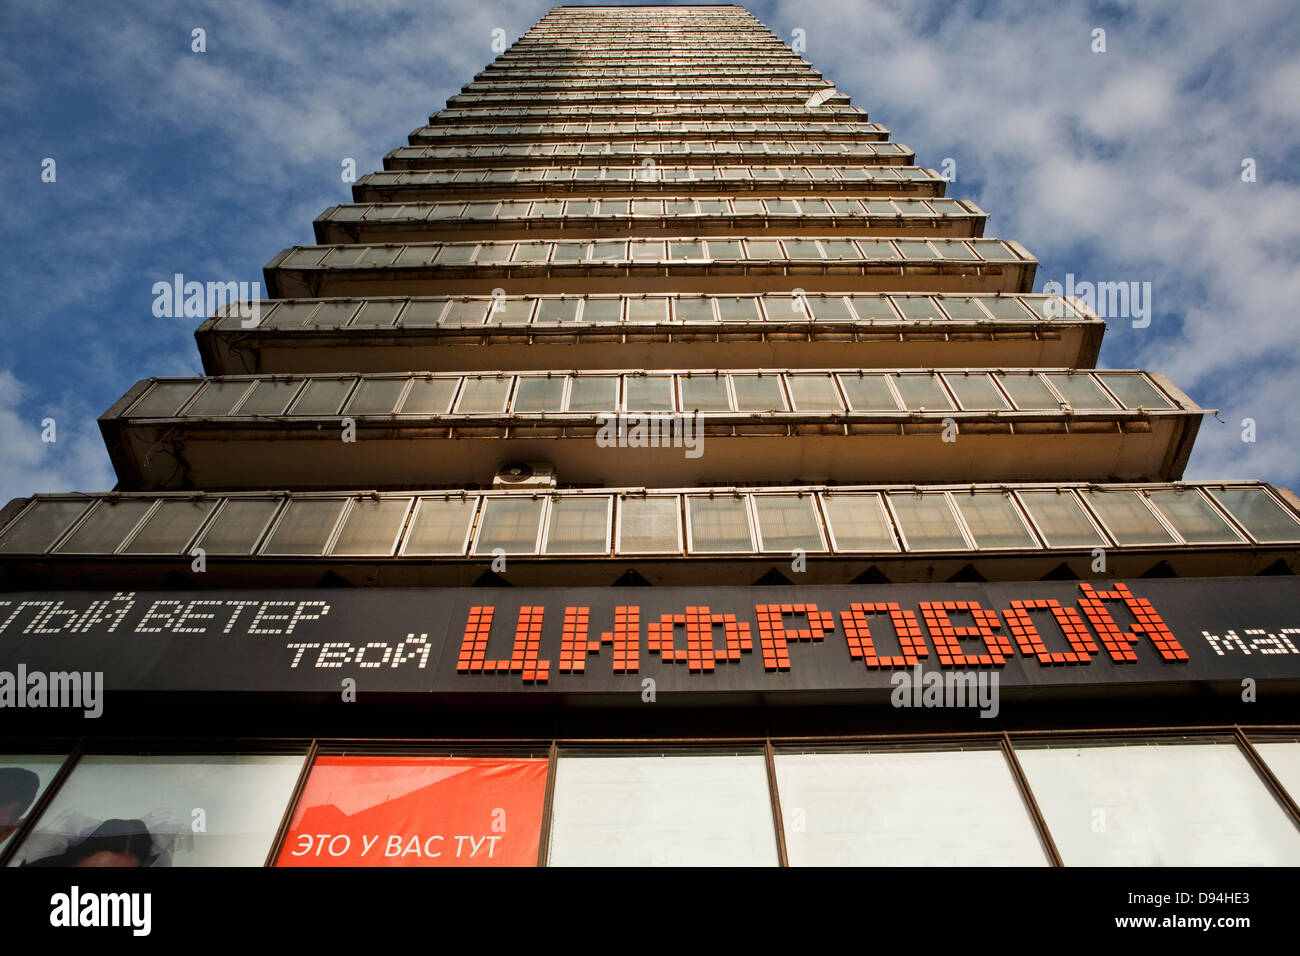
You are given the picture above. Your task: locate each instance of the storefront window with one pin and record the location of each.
(1158, 803)
(662, 810)
(156, 810)
(896, 808)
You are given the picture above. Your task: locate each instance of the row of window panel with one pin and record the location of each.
(649, 174)
(580, 252)
(813, 207)
(724, 74)
(657, 148)
(504, 93)
(655, 523)
(650, 127)
(613, 310)
(1167, 801)
(732, 109)
(719, 392)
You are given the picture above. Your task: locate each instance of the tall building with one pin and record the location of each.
(655, 457)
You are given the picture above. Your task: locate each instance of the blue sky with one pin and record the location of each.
(1115, 166)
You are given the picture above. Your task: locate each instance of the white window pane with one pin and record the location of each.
(170, 526)
(1283, 758)
(217, 398)
(648, 525)
(535, 394)
(922, 392)
(578, 525)
(588, 393)
(927, 522)
(649, 393)
(993, 521)
(269, 397)
(510, 524)
(1028, 392)
(1126, 517)
(647, 310)
(858, 523)
(556, 312)
(1259, 513)
(705, 393)
(322, 396)
(719, 524)
(786, 522)
(893, 808)
(440, 526)
(371, 526)
(461, 313)
(662, 811)
(1193, 517)
(305, 526)
(829, 308)
(1061, 520)
(1134, 390)
(1081, 391)
(376, 396)
(1165, 804)
(975, 391)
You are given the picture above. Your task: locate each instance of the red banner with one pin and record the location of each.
(418, 811)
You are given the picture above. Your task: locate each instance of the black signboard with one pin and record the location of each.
(772, 641)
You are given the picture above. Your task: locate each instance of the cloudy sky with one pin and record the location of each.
(1117, 166)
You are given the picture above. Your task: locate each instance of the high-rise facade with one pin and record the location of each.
(646, 443)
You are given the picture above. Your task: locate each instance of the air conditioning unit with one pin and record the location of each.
(525, 475)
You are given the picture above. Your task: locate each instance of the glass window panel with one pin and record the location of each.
(305, 526)
(993, 521)
(494, 253)
(683, 250)
(814, 393)
(377, 314)
(376, 396)
(1193, 517)
(451, 254)
(916, 249)
(593, 393)
(840, 249)
(738, 308)
(1166, 804)
(659, 810)
(927, 522)
(288, 315)
(952, 249)
(868, 393)
(918, 308)
(829, 308)
(107, 525)
(963, 310)
(1028, 391)
(1259, 513)
(1006, 308)
(531, 252)
(269, 397)
(1134, 390)
(748, 207)
(440, 526)
(648, 251)
(649, 207)
(873, 308)
(171, 526)
(408, 800)
(877, 249)
(1127, 517)
(758, 393)
(217, 398)
(781, 207)
(238, 526)
(38, 526)
(510, 524)
(763, 249)
(725, 250)
(921, 392)
(322, 396)
(693, 309)
(649, 393)
(1283, 758)
(510, 312)
(139, 811)
(556, 311)
(572, 252)
(648, 525)
(718, 524)
(578, 525)
(858, 523)
(483, 395)
(163, 400)
(896, 808)
(786, 522)
(1080, 391)
(1060, 519)
(975, 391)
(23, 778)
(463, 312)
(429, 396)
(705, 394)
(536, 394)
(994, 250)
(332, 315)
(371, 526)
(647, 310)
(802, 249)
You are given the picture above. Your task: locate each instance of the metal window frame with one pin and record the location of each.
(407, 530)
